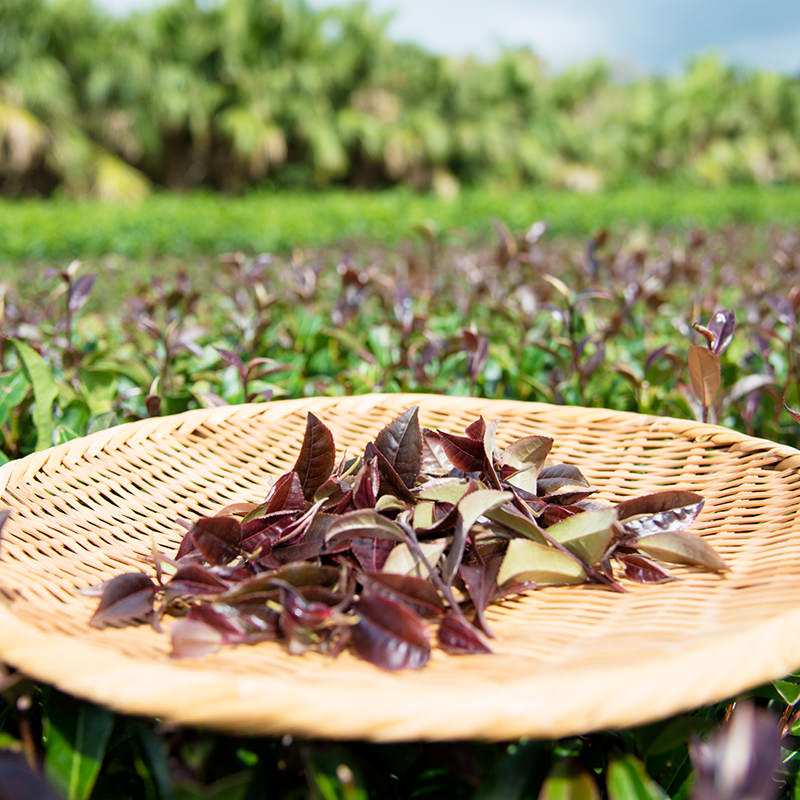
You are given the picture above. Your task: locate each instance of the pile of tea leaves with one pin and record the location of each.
(424, 528)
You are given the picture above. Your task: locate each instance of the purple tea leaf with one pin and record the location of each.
(476, 430)
(218, 539)
(371, 553)
(317, 456)
(722, 326)
(434, 461)
(79, 292)
(125, 597)
(556, 479)
(19, 781)
(286, 494)
(457, 637)
(389, 634)
(660, 512)
(465, 453)
(417, 593)
(400, 442)
(643, 570)
(192, 638)
(362, 523)
(194, 580)
(741, 760)
(480, 579)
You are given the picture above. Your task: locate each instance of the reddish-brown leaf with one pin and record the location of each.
(217, 538)
(400, 442)
(286, 494)
(660, 512)
(389, 634)
(316, 458)
(643, 570)
(192, 638)
(194, 579)
(125, 597)
(371, 552)
(417, 593)
(477, 429)
(457, 637)
(465, 453)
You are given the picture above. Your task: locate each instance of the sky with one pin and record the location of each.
(635, 36)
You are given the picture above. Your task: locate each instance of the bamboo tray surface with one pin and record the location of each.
(567, 660)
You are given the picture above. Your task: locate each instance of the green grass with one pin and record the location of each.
(208, 224)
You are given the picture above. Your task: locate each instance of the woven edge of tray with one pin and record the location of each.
(198, 697)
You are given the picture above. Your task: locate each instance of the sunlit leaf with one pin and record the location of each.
(316, 458)
(400, 442)
(470, 508)
(557, 478)
(444, 490)
(125, 597)
(526, 560)
(660, 512)
(389, 634)
(682, 548)
(192, 638)
(704, 371)
(404, 561)
(457, 637)
(587, 535)
(530, 452)
(217, 538)
(363, 523)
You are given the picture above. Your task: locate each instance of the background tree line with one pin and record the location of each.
(238, 93)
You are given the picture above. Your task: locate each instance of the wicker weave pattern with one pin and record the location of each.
(567, 660)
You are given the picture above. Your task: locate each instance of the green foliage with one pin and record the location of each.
(235, 93)
(202, 223)
(76, 735)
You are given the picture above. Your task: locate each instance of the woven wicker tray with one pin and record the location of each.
(568, 660)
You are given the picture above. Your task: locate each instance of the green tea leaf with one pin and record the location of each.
(587, 535)
(678, 547)
(45, 392)
(628, 780)
(403, 561)
(567, 780)
(13, 388)
(77, 735)
(526, 560)
(517, 523)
